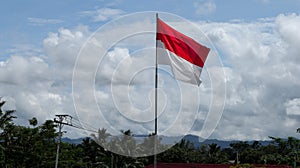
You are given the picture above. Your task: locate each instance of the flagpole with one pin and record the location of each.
(155, 110)
(156, 79)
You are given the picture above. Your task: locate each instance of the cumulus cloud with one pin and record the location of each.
(289, 32)
(62, 49)
(293, 106)
(26, 82)
(37, 83)
(114, 79)
(19, 70)
(261, 76)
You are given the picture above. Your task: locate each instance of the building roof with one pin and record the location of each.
(195, 165)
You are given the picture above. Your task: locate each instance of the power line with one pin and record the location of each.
(74, 122)
(65, 119)
(83, 125)
(60, 120)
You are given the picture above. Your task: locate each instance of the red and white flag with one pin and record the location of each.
(185, 56)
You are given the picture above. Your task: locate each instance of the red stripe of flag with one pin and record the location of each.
(180, 44)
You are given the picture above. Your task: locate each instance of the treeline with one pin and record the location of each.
(35, 146)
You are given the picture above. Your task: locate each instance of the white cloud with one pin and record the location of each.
(18, 70)
(39, 83)
(62, 49)
(25, 49)
(205, 7)
(262, 74)
(103, 14)
(293, 106)
(42, 21)
(289, 32)
(26, 81)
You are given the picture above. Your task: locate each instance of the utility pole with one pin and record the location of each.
(61, 120)
(237, 157)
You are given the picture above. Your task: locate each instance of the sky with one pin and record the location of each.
(94, 60)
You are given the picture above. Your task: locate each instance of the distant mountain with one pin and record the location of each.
(197, 141)
(72, 141)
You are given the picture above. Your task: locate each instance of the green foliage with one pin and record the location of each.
(33, 121)
(28, 147)
(5, 116)
(35, 146)
(179, 153)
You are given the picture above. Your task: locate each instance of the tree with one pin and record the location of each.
(214, 154)
(181, 152)
(101, 137)
(6, 127)
(286, 150)
(33, 121)
(5, 116)
(130, 149)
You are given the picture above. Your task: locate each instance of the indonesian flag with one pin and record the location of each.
(185, 56)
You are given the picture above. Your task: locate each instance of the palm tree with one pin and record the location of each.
(5, 128)
(101, 137)
(214, 154)
(101, 146)
(5, 117)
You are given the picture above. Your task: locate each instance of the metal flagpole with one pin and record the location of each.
(155, 110)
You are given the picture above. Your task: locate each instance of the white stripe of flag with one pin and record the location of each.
(185, 56)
